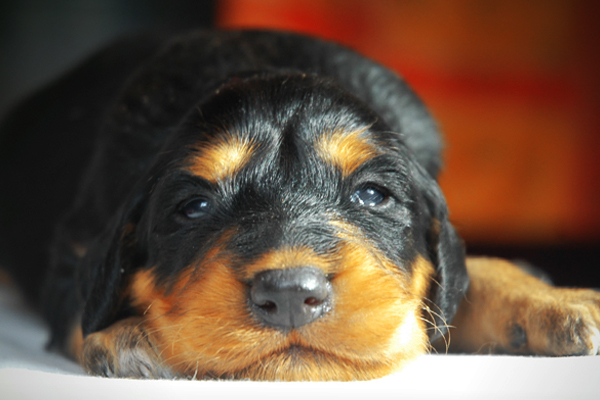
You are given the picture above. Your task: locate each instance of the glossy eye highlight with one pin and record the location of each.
(196, 208)
(369, 197)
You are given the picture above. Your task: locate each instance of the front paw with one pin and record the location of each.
(565, 322)
(507, 310)
(123, 350)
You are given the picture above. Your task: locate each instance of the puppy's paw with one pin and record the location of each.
(507, 310)
(560, 322)
(123, 350)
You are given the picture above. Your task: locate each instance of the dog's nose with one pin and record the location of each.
(290, 298)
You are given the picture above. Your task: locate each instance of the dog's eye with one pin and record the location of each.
(195, 208)
(369, 196)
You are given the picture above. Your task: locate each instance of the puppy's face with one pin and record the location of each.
(285, 237)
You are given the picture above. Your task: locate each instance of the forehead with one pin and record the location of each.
(225, 155)
(294, 124)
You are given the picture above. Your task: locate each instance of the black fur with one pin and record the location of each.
(96, 160)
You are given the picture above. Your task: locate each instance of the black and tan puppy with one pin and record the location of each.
(253, 205)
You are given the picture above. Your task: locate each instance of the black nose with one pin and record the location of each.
(290, 298)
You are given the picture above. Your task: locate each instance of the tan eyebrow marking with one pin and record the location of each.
(346, 150)
(220, 159)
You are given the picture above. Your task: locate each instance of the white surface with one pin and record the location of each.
(27, 371)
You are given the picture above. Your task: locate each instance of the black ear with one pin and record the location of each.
(108, 265)
(446, 250)
(447, 253)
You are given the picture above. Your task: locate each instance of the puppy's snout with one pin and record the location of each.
(290, 298)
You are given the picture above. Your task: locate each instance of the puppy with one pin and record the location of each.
(253, 205)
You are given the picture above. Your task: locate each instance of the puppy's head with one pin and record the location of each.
(284, 232)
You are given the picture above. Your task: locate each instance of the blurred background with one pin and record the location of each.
(514, 85)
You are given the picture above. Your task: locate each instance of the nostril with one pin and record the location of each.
(268, 307)
(312, 301)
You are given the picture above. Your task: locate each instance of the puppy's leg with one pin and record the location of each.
(123, 349)
(507, 310)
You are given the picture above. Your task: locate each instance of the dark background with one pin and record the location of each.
(514, 85)
(40, 39)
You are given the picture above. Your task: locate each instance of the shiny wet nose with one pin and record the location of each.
(290, 298)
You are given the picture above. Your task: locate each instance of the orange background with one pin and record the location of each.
(513, 85)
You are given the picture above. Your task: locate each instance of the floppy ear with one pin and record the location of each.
(447, 253)
(107, 267)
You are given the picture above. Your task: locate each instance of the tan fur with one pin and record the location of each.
(221, 158)
(288, 257)
(75, 341)
(203, 325)
(502, 299)
(346, 150)
(123, 349)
